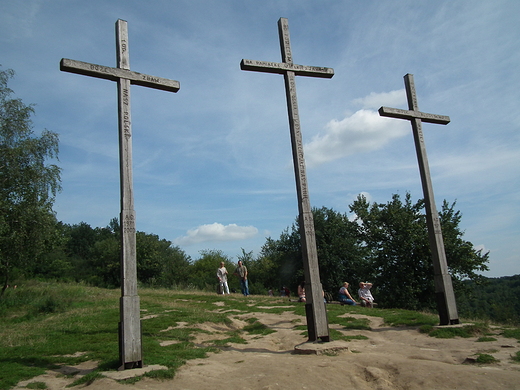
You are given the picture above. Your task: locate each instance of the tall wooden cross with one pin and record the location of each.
(130, 345)
(445, 297)
(317, 323)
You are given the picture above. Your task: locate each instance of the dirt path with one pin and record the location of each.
(391, 358)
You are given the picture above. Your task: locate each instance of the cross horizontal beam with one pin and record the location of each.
(410, 114)
(115, 74)
(283, 67)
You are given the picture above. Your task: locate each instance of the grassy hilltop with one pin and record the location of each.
(47, 325)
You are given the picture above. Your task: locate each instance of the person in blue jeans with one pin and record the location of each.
(344, 296)
(241, 272)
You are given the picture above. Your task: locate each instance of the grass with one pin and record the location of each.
(472, 330)
(256, 327)
(337, 335)
(43, 326)
(512, 333)
(484, 358)
(485, 339)
(34, 340)
(87, 379)
(36, 385)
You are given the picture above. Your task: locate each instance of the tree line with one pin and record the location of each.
(385, 243)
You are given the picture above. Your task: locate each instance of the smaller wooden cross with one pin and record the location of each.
(130, 345)
(317, 322)
(444, 295)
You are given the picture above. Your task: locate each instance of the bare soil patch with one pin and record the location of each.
(391, 358)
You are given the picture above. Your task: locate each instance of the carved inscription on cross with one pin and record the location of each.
(130, 345)
(445, 297)
(317, 322)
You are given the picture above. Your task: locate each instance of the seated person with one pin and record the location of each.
(284, 292)
(365, 295)
(301, 292)
(344, 296)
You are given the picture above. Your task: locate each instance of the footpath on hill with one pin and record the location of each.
(390, 358)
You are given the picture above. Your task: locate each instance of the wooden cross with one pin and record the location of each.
(445, 297)
(130, 345)
(317, 323)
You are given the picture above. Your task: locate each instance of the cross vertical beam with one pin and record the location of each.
(445, 297)
(130, 341)
(130, 321)
(317, 322)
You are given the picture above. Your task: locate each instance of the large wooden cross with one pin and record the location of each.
(445, 297)
(130, 345)
(317, 323)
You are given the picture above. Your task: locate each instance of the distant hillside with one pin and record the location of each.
(496, 299)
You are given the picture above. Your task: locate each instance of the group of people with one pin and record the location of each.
(344, 297)
(365, 296)
(240, 272)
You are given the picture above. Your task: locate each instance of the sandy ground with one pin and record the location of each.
(391, 358)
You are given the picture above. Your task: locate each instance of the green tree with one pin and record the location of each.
(56, 264)
(494, 299)
(265, 269)
(281, 261)
(93, 255)
(28, 185)
(203, 272)
(158, 263)
(82, 248)
(396, 239)
(175, 267)
(340, 253)
(105, 264)
(464, 261)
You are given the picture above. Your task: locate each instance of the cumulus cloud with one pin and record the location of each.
(216, 232)
(375, 100)
(361, 132)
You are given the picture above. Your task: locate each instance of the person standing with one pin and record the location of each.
(241, 272)
(222, 278)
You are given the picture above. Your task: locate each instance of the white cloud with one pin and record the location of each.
(216, 232)
(361, 132)
(481, 247)
(375, 100)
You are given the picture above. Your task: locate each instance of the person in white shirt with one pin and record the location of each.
(222, 278)
(365, 295)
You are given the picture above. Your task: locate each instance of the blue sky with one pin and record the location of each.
(212, 163)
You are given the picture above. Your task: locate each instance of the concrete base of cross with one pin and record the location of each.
(128, 374)
(320, 348)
